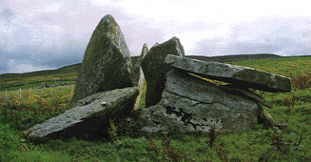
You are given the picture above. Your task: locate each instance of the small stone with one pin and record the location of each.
(104, 103)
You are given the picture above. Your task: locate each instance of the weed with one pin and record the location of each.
(302, 81)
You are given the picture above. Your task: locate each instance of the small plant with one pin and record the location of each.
(112, 130)
(170, 151)
(290, 101)
(285, 146)
(221, 153)
(302, 81)
(212, 135)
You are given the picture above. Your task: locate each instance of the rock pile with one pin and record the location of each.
(191, 103)
(176, 94)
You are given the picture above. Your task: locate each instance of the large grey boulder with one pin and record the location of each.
(89, 117)
(106, 64)
(192, 105)
(237, 75)
(155, 69)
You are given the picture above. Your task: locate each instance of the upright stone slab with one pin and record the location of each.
(237, 75)
(136, 64)
(140, 101)
(192, 105)
(89, 117)
(106, 64)
(155, 69)
(144, 51)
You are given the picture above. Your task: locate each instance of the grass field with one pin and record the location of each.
(41, 79)
(19, 109)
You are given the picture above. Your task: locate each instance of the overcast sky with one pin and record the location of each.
(44, 34)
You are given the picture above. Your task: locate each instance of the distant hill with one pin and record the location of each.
(232, 58)
(67, 75)
(65, 69)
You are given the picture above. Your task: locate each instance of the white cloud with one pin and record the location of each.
(15, 67)
(284, 36)
(54, 33)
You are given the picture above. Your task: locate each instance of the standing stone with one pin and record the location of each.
(140, 101)
(136, 64)
(106, 64)
(144, 50)
(89, 117)
(237, 75)
(192, 105)
(155, 69)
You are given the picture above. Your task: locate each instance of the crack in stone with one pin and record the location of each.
(187, 118)
(199, 102)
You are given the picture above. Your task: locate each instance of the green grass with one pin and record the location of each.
(26, 107)
(288, 66)
(41, 79)
(19, 111)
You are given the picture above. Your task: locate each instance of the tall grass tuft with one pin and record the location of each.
(24, 108)
(302, 81)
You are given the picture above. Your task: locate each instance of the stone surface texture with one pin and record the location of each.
(136, 64)
(140, 101)
(238, 75)
(155, 69)
(106, 64)
(192, 105)
(88, 117)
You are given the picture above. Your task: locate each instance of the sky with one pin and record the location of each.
(48, 34)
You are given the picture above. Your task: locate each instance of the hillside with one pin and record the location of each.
(46, 78)
(68, 74)
(232, 58)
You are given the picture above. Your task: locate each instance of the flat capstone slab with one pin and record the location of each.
(237, 75)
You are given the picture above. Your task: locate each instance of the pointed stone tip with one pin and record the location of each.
(175, 37)
(157, 43)
(144, 50)
(108, 18)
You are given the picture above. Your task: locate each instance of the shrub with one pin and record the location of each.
(302, 81)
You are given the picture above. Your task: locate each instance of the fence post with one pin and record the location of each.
(6, 94)
(20, 93)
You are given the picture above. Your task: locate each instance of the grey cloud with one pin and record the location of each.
(50, 38)
(284, 36)
(50, 34)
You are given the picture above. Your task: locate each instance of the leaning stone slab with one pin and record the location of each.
(237, 75)
(88, 118)
(191, 105)
(155, 69)
(106, 64)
